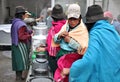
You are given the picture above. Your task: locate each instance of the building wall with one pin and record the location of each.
(65, 3)
(114, 7)
(7, 7)
(108, 5)
(34, 6)
(3, 11)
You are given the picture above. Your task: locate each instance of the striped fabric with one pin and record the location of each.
(20, 57)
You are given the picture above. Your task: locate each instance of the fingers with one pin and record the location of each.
(40, 49)
(63, 34)
(67, 39)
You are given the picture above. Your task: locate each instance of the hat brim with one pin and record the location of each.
(20, 12)
(93, 19)
(73, 16)
(59, 16)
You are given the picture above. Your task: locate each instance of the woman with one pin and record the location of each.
(21, 37)
(58, 17)
(73, 40)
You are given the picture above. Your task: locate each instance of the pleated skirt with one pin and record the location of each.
(20, 57)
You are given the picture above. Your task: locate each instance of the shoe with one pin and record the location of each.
(22, 78)
(18, 78)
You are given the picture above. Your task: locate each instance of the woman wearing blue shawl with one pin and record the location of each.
(101, 62)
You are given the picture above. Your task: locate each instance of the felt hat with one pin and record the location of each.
(57, 12)
(20, 9)
(94, 13)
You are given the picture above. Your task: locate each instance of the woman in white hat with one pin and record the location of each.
(73, 40)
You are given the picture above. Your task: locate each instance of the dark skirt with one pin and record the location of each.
(20, 57)
(53, 60)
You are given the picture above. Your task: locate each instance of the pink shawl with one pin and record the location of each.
(51, 47)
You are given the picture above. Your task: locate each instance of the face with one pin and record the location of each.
(23, 16)
(26, 15)
(73, 21)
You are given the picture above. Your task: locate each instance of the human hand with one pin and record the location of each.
(40, 18)
(40, 49)
(32, 33)
(67, 38)
(63, 34)
(65, 71)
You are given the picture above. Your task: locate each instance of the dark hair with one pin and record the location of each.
(89, 26)
(19, 15)
(56, 19)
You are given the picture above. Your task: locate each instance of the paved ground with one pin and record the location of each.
(6, 73)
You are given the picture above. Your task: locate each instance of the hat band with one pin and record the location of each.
(92, 19)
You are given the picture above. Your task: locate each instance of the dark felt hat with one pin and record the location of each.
(20, 9)
(94, 13)
(57, 12)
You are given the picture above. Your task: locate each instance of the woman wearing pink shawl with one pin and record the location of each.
(52, 48)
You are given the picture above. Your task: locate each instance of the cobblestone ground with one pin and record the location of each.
(6, 73)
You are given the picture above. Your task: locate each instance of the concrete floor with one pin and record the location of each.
(6, 73)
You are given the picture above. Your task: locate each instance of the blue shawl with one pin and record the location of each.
(101, 62)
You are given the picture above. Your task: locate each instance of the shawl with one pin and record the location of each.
(101, 62)
(16, 24)
(51, 46)
(80, 34)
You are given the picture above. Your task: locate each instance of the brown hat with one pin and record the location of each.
(57, 12)
(20, 9)
(94, 13)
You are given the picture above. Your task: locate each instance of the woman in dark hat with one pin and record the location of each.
(101, 62)
(93, 16)
(59, 20)
(20, 37)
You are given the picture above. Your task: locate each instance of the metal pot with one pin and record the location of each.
(38, 40)
(40, 66)
(41, 79)
(41, 55)
(40, 30)
(40, 63)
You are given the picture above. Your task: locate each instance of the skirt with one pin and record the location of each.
(20, 57)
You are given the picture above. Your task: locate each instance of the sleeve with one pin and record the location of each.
(56, 39)
(73, 44)
(23, 35)
(56, 35)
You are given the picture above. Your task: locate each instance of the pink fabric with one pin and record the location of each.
(53, 30)
(65, 62)
(108, 14)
